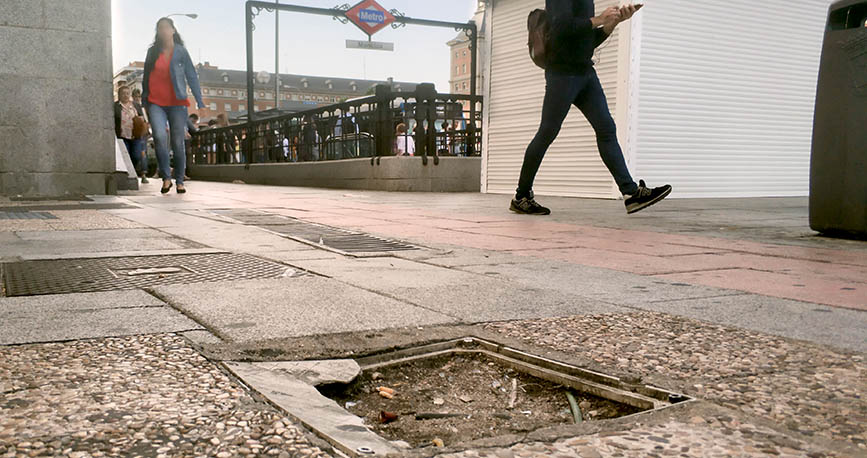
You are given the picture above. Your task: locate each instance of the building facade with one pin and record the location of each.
(224, 91)
(461, 58)
(718, 107)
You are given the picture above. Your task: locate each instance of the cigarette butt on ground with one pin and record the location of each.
(385, 389)
(386, 394)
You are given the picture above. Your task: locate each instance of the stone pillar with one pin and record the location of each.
(56, 118)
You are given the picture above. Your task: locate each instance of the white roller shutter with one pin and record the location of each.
(516, 88)
(726, 94)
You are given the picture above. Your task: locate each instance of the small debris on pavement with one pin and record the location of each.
(376, 376)
(438, 443)
(439, 401)
(466, 398)
(387, 417)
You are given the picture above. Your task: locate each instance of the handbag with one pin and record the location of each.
(139, 127)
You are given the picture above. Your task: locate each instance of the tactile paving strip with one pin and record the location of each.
(30, 278)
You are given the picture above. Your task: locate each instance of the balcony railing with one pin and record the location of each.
(436, 125)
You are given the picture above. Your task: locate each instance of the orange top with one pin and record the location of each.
(162, 91)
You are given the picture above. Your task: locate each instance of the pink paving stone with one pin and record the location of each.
(801, 288)
(788, 266)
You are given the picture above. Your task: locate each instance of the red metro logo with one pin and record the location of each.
(369, 16)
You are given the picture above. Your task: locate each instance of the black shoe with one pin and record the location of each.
(165, 190)
(182, 190)
(528, 206)
(646, 197)
(144, 180)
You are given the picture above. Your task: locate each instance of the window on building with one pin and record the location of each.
(261, 94)
(242, 108)
(457, 70)
(234, 93)
(206, 91)
(465, 53)
(225, 78)
(457, 87)
(465, 85)
(219, 92)
(213, 106)
(464, 68)
(456, 55)
(228, 107)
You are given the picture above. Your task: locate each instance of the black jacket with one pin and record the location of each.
(573, 38)
(117, 116)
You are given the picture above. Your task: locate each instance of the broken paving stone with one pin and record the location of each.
(466, 398)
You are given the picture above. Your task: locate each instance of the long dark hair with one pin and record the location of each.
(177, 37)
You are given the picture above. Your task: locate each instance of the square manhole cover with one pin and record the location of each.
(30, 278)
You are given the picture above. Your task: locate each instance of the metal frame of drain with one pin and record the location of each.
(646, 397)
(361, 441)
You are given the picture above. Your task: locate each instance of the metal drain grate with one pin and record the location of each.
(26, 215)
(31, 278)
(333, 238)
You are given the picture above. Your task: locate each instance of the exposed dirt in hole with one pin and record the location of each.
(472, 385)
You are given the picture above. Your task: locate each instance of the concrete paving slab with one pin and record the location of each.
(821, 324)
(315, 373)
(312, 254)
(251, 311)
(54, 303)
(306, 405)
(56, 244)
(386, 273)
(20, 327)
(104, 234)
(611, 286)
(493, 300)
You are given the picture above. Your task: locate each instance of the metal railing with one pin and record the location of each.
(436, 125)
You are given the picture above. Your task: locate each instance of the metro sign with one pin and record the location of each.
(369, 16)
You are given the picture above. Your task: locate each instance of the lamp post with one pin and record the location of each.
(277, 57)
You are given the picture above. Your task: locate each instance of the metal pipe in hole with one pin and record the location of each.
(576, 411)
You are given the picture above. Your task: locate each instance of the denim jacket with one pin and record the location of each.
(182, 71)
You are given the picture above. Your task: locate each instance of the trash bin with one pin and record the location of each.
(838, 169)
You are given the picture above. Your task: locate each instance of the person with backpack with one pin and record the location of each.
(563, 38)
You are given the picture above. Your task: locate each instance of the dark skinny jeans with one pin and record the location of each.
(585, 92)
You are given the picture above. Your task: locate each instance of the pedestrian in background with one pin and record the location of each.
(125, 113)
(168, 71)
(404, 145)
(136, 97)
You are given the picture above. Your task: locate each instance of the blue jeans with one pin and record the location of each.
(134, 148)
(176, 119)
(585, 92)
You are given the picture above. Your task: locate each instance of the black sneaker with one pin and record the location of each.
(528, 206)
(646, 197)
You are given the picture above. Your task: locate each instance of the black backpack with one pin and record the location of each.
(539, 34)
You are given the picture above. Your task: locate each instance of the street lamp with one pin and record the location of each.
(189, 15)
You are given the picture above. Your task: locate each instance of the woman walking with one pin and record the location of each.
(168, 71)
(126, 110)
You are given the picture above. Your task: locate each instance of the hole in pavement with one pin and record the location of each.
(469, 389)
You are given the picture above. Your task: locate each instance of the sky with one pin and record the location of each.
(309, 45)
